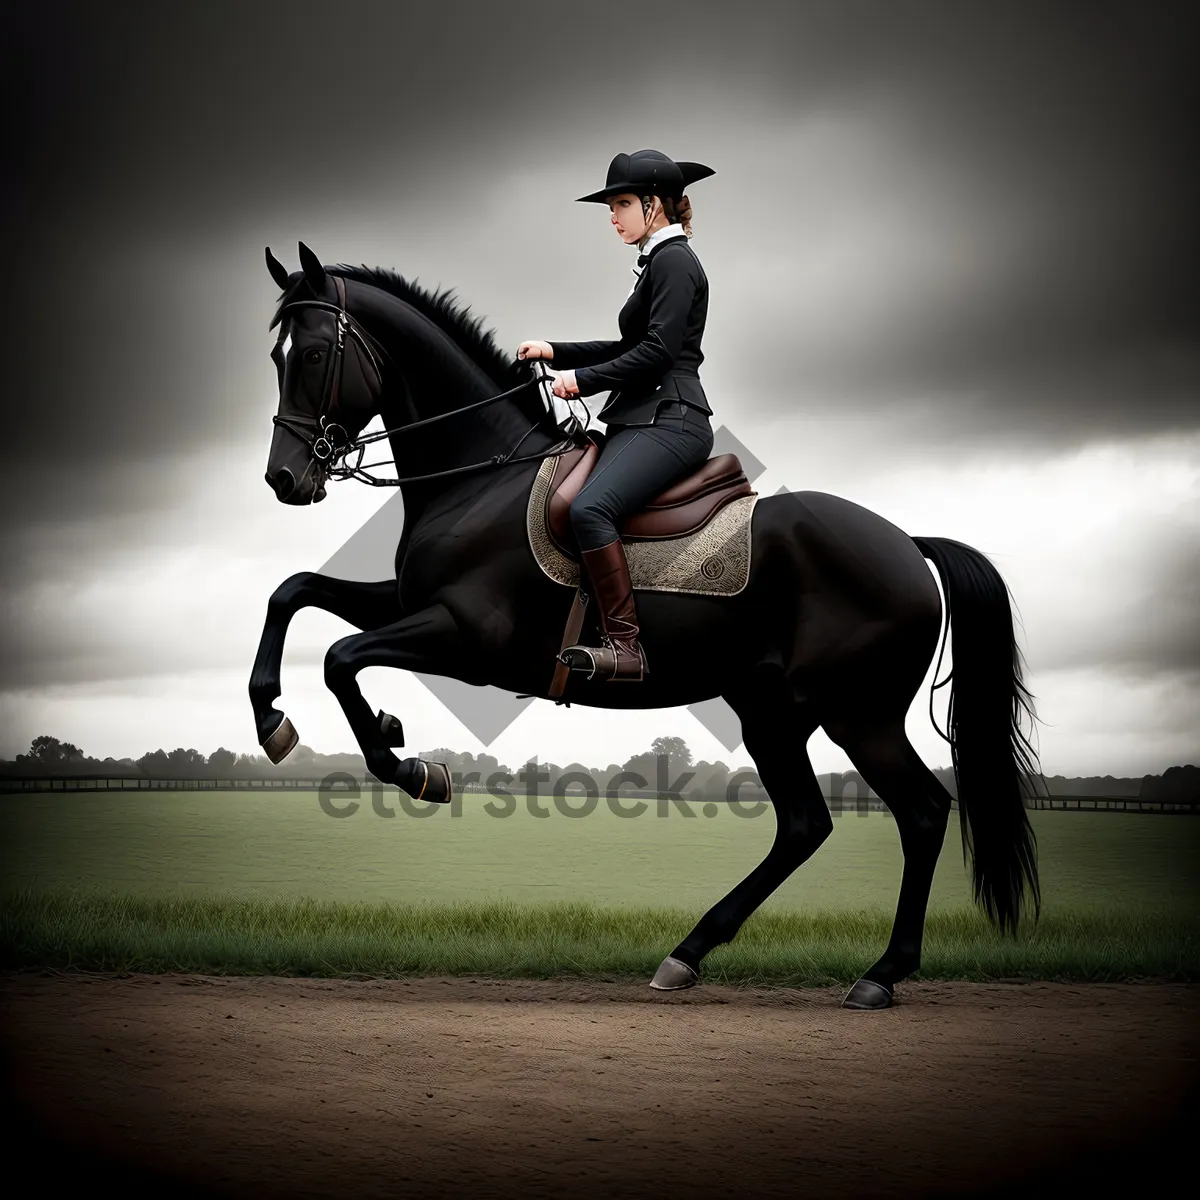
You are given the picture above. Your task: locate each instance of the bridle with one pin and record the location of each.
(331, 444)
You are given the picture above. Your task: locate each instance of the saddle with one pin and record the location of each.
(680, 511)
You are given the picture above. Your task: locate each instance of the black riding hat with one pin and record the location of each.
(649, 173)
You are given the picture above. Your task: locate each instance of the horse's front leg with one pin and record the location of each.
(364, 605)
(430, 641)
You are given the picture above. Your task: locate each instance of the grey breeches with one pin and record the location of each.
(638, 462)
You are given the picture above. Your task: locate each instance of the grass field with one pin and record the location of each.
(247, 882)
(253, 844)
(221, 935)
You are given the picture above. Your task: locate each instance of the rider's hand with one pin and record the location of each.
(565, 385)
(535, 350)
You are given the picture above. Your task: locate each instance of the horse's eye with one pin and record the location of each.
(312, 356)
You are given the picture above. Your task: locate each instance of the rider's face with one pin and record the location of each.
(627, 217)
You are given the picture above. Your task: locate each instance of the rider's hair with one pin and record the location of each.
(677, 212)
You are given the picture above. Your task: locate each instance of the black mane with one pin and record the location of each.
(466, 331)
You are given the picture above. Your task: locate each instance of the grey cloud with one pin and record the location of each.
(1143, 618)
(1020, 409)
(177, 127)
(142, 367)
(62, 635)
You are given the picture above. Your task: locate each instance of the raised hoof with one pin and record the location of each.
(390, 730)
(435, 786)
(282, 742)
(866, 993)
(673, 975)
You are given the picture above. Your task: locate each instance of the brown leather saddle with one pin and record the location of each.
(680, 510)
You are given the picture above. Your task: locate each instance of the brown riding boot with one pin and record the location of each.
(620, 658)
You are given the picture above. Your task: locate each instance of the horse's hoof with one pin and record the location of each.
(866, 993)
(673, 975)
(282, 742)
(433, 784)
(390, 730)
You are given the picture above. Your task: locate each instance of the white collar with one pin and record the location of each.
(661, 235)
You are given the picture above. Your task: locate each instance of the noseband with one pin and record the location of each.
(327, 438)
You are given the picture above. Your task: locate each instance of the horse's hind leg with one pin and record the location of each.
(771, 731)
(920, 803)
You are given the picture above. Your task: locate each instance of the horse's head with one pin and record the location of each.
(330, 379)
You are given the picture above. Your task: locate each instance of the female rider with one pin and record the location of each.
(657, 414)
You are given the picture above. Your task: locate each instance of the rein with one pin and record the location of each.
(332, 446)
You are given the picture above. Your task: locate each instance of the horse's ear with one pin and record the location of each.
(277, 269)
(314, 272)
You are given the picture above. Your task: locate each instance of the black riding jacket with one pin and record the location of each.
(658, 357)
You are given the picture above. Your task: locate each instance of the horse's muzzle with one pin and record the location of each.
(283, 482)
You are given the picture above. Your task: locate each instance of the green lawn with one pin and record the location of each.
(217, 935)
(283, 846)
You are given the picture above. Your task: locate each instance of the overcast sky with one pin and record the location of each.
(951, 250)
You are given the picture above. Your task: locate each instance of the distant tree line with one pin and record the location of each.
(1175, 785)
(50, 756)
(661, 765)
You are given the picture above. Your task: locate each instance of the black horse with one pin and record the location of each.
(835, 628)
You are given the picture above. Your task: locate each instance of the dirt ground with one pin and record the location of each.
(286, 1087)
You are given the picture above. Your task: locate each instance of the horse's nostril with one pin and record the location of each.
(283, 482)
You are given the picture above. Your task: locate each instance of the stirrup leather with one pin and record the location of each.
(570, 636)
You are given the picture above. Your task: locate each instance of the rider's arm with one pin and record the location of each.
(584, 354)
(674, 278)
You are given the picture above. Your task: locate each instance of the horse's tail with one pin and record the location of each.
(994, 762)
